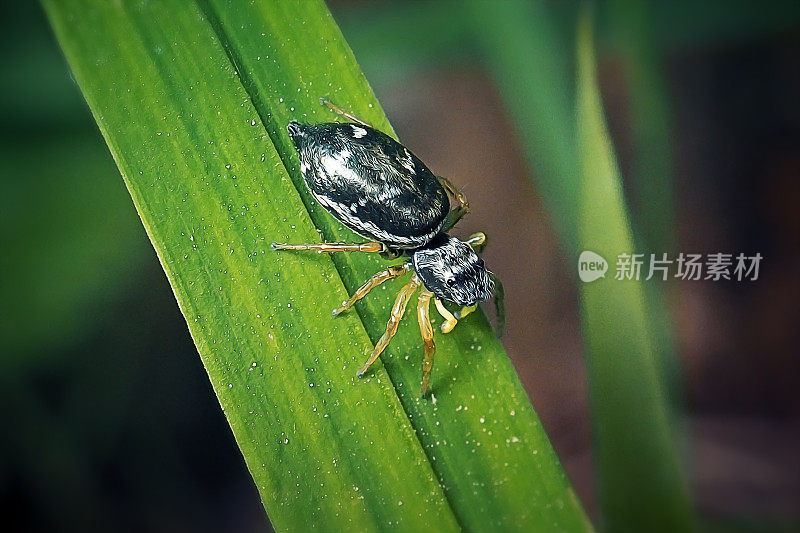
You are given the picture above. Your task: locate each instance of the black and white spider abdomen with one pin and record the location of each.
(371, 183)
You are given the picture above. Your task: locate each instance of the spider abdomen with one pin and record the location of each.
(371, 183)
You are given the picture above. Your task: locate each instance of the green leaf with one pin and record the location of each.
(652, 192)
(193, 101)
(630, 417)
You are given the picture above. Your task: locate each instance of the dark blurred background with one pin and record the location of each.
(109, 420)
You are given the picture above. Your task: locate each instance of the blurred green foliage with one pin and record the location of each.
(68, 230)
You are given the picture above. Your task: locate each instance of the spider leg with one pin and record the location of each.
(368, 247)
(499, 303)
(461, 209)
(423, 316)
(449, 320)
(464, 311)
(477, 241)
(391, 272)
(338, 110)
(398, 309)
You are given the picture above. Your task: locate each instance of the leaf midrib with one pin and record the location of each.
(166, 254)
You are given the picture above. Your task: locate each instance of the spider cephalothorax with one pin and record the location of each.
(452, 271)
(379, 189)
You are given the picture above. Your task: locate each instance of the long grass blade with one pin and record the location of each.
(640, 481)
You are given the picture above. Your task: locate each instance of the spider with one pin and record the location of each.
(376, 187)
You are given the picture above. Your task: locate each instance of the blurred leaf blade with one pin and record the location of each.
(196, 123)
(640, 482)
(639, 478)
(537, 87)
(650, 123)
(631, 31)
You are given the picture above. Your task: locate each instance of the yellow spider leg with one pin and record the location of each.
(423, 316)
(463, 205)
(398, 309)
(449, 320)
(391, 272)
(450, 188)
(369, 247)
(324, 101)
(464, 311)
(477, 241)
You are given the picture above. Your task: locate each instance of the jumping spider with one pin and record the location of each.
(379, 189)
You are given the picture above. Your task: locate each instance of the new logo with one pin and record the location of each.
(591, 266)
